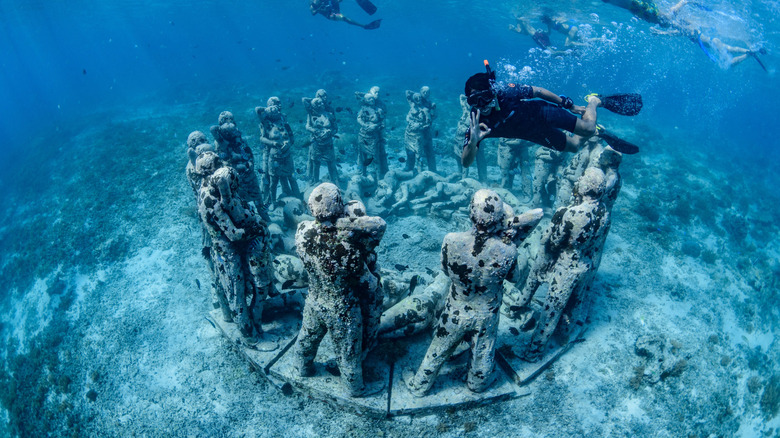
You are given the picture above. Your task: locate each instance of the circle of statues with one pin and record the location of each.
(318, 249)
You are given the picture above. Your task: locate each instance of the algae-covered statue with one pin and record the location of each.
(417, 137)
(277, 137)
(546, 166)
(371, 139)
(570, 251)
(240, 252)
(321, 124)
(336, 249)
(477, 262)
(235, 152)
(197, 143)
(512, 154)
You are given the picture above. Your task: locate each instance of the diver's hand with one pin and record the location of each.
(478, 130)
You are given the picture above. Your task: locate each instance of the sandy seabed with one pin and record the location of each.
(104, 298)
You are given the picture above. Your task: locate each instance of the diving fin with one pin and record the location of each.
(753, 54)
(367, 6)
(373, 25)
(626, 104)
(616, 143)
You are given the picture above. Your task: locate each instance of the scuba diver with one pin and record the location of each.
(331, 10)
(538, 115)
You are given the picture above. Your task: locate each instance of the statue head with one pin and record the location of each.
(196, 138)
(325, 202)
(226, 117)
(322, 94)
(591, 184)
(229, 131)
(369, 99)
(425, 92)
(486, 210)
(207, 163)
(226, 175)
(317, 104)
(609, 158)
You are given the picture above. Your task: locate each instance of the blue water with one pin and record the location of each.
(61, 60)
(99, 71)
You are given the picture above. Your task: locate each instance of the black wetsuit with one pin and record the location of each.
(521, 116)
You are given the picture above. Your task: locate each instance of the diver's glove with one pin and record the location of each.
(566, 102)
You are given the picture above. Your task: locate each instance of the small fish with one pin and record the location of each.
(197, 283)
(288, 284)
(401, 160)
(339, 109)
(277, 262)
(401, 267)
(413, 283)
(430, 271)
(436, 134)
(285, 67)
(369, 161)
(405, 236)
(84, 71)
(278, 60)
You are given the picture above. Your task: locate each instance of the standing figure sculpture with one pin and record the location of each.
(371, 140)
(477, 262)
(336, 250)
(240, 245)
(545, 183)
(417, 137)
(569, 256)
(235, 152)
(277, 137)
(321, 124)
(512, 154)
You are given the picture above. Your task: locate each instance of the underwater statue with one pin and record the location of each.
(476, 262)
(418, 138)
(337, 250)
(321, 124)
(570, 252)
(234, 152)
(277, 137)
(240, 245)
(512, 154)
(569, 174)
(197, 143)
(545, 184)
(371, 138)
(457, 147)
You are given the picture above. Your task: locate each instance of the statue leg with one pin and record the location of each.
(347, 333)
(446, 338)
(312, 331)
(564, 282)
(483, 355)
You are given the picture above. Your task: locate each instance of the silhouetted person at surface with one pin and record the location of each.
(331, 10)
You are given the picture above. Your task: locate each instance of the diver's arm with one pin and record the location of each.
(545, 94)
(477, 131)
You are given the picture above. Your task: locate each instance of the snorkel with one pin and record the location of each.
(492, 80)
